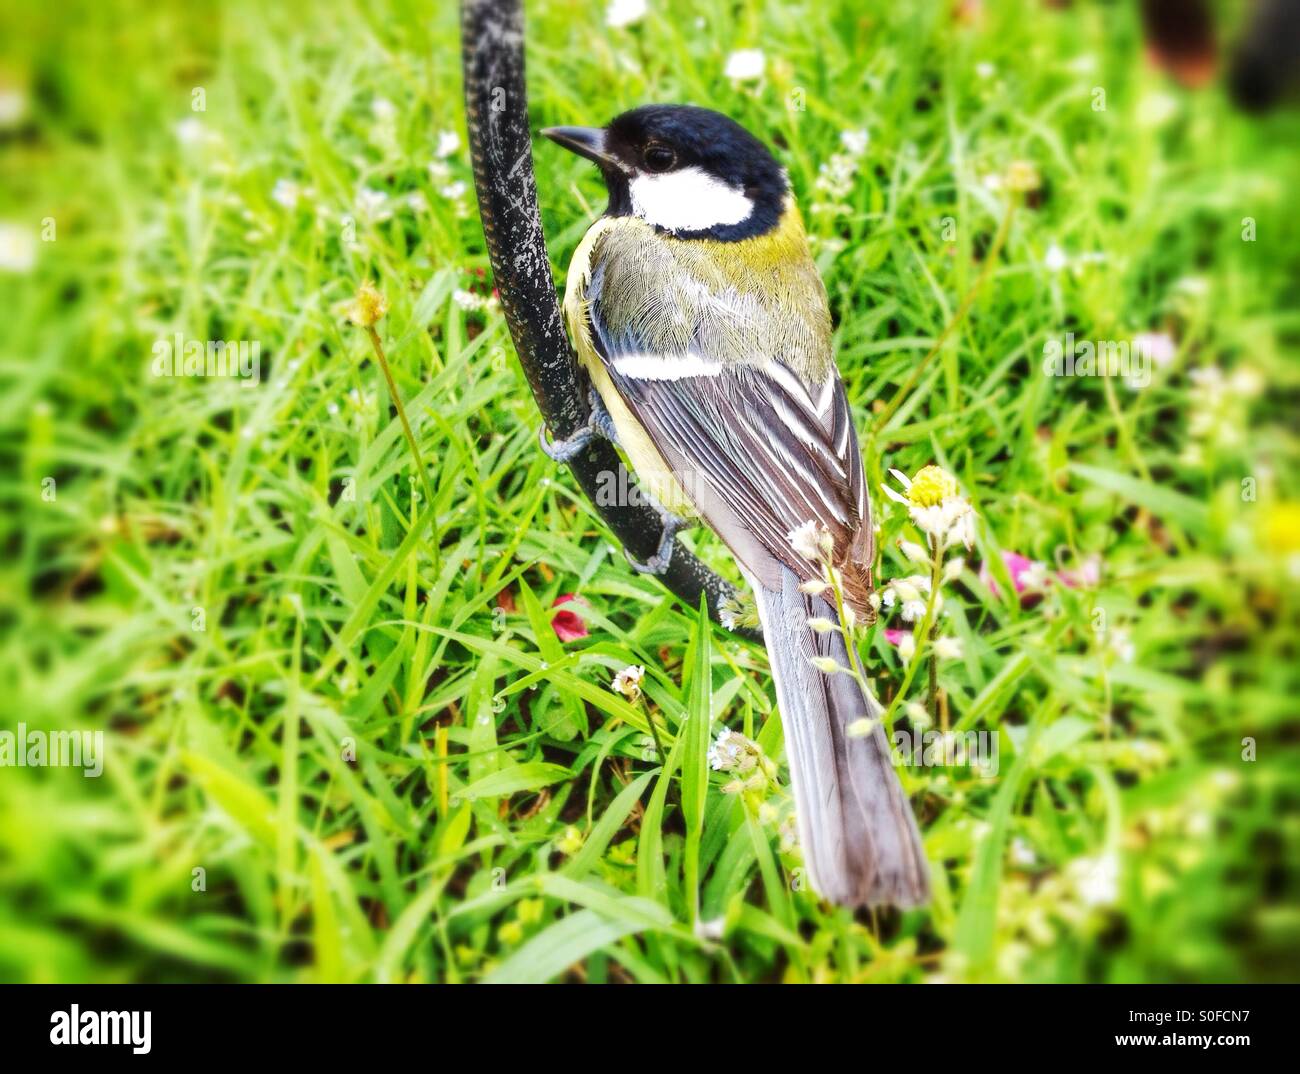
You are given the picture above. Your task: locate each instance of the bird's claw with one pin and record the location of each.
(564, 450)
(599, 423)
(658, 563)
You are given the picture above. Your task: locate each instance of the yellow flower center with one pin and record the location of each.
(1282, 528)
(931, 486)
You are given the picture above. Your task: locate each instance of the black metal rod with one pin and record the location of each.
(496, 104)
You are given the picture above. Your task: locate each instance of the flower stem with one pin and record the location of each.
(927, 623)
(406, 425)
(936, 577)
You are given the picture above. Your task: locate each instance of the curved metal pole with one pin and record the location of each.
(496, 104)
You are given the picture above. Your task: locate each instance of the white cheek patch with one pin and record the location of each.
(688, 200)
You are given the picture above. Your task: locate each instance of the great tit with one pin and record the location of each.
(698, 313)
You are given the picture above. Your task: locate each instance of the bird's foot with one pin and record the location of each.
(599, 423)
(600, 419)
(658, 563)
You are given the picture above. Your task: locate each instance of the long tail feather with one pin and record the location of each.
(860, 842)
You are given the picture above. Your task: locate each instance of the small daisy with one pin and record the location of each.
(733, 752)
(373, 204)
(1159, 346)
(746, 65)
(1096, 880)
(622, 13)
(448, 143)
(948, 648)
(13, 106)
(936, 506)
(906, 648)
(191, 132)
(628, 682)
(467, 300)
(812, 541)
(855, 142)
(17, 248)
(286, 192)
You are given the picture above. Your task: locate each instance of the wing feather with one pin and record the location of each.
(748, 443)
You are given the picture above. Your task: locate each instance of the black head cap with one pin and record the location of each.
(659, 139)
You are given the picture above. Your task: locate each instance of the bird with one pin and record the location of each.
(698, 314)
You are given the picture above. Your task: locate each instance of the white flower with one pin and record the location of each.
(835, 179)
(628, 681)
(286, 192)
(1245, 382)
(746, 65)
(1022, 853)
(733, 752)
(383, 109)
(855, 142)
(907, 648)
(913, 551)
(822, 625)
(947, 648)
(17, 248)
(961, 526)
(1055, 260)
(448, 143)
(905, 589)
(828, 665)
(1122, 645)
(454, 191)
(1156, 108)
(953, 568)
(811, 540)
(1159, 346)
(190, 131)
(467, 300)
(624, 12)
(1096, 879)
(916, 714)
(985, 70)
(13, 106)
(913, 610)
(373, 204)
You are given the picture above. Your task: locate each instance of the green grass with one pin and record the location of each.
(379, 753)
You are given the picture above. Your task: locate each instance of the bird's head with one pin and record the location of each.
(687, 171)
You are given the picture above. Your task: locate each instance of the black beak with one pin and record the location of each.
(587, 142)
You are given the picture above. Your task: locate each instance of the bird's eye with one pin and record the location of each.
(659, 158)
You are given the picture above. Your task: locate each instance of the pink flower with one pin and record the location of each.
(567, 624)
(1029, 577)
(894, 636)
(1087, 575)
(1026, 573)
